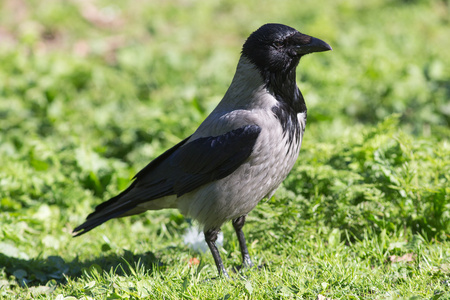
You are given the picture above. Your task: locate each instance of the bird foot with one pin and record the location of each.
(237, 269)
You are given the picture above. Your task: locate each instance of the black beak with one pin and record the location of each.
(315, 45)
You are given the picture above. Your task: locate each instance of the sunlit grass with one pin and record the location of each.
(91, 91)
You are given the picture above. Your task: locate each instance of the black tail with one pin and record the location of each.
(120, 205)
(103, 212)
(92, 223)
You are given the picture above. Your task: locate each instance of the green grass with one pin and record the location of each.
(90, 92)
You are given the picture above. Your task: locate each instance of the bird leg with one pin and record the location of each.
(210, 238)
(238, 223)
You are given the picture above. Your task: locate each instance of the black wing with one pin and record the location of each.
(181, 169)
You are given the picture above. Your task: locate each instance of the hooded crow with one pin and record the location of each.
(241, 152)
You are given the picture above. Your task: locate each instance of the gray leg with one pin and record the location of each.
(210, 238)
(238, 223)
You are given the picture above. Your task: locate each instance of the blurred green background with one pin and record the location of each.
(91, 91)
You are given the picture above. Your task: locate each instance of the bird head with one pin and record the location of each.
(277, 48)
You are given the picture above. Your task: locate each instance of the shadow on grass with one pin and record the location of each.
(39, 271)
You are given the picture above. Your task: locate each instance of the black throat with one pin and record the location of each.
(290, 101)
(283, 86)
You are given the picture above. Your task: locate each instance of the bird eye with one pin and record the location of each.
(278, 44)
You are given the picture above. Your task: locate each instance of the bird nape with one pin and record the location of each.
(239, 154)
